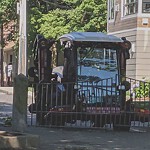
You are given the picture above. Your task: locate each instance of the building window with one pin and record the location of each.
(111, 6)
(146, 6)
(130, 7)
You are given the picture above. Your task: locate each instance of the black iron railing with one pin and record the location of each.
(91, 104)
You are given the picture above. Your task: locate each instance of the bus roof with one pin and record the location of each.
(89, 37)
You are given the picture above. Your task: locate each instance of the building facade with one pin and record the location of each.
(131, 19)
(8, 50)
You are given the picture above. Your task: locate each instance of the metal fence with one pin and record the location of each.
(91, 104)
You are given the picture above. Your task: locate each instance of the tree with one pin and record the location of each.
(33, 26)
(8, 19)
(7, 10)
(35, 10)
(87, 15)
(53, 18)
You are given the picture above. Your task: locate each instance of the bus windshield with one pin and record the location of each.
(95, 64)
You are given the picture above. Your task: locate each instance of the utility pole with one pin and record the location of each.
(1, 54)
(22, 57)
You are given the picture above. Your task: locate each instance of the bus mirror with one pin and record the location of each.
(127, 54)
(126, 44)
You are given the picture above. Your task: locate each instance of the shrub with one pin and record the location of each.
(143, 90)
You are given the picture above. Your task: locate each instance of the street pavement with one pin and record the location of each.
(86, 139)
(78, 139)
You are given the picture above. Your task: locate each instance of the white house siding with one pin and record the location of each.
(138, 66)
(131, 63)
(143, 54)
(134, 30)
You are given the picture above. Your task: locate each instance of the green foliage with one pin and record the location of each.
(87, 15)
(33, 26)
(55, 23)
(36, 9)
(54, 18)
(7, 10)
(8, 17)
(143, 90)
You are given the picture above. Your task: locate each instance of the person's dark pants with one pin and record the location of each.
(8, 81)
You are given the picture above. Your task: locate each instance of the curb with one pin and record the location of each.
(16, 140)
(11, 92)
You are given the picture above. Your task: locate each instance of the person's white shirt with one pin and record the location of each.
(9, 70)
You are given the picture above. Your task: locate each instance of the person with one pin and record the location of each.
(9, 74)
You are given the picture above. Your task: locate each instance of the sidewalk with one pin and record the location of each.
(9, 90)
(87, 139)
